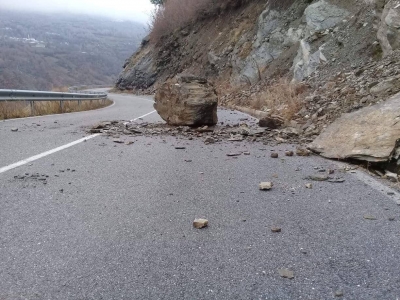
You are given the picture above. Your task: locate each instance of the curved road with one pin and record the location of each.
(112, 221)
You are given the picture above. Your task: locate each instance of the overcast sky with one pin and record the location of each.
(137, 10)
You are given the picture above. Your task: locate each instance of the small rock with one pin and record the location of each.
(391, 218)
(309, 185)
(200, 223)
(180, 147)
(272, 122)
(339, 293)
(233, 154)
(369, 217)
(129, 143)
(274, 155)
(289, 153)
(276, 229)
(266, 186)
(286, 273)
(14, 129)
(337, 179)
(94, 130)
(118, 141)
(209, 140)
(318, 177)
(302, 152)
(246, 153)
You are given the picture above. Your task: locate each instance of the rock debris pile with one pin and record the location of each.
(238, 132)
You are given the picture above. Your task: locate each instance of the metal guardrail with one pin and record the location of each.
(21, 95)
(32, 96)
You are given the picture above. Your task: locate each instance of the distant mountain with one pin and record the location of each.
(43, 51)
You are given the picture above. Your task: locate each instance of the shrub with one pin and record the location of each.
(175, 14)
(281, 98)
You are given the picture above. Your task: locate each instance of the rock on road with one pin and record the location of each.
(101, 220)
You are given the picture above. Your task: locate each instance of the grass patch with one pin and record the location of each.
(282, 98)
(22, 109)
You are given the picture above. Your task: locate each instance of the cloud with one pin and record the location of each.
(138, 10)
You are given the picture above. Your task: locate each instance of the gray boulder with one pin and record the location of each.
(322, 15)
(190, 101)
(388, 32)
(369, 134)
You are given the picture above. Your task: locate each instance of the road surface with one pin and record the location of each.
(114, 221)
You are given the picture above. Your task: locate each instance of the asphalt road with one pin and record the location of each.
(114, 221)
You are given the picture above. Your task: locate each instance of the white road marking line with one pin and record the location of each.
(41, 155)
(33, 158)
(143, 116)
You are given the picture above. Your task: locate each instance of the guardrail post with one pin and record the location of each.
(79, 103)
(32, 103)
(61, 106)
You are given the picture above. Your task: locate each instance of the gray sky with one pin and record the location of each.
(137, 10)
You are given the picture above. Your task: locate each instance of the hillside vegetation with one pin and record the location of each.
(40, 51)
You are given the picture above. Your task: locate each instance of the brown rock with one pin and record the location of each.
(272, 122)
(190, 102)
(302, 152)
(289, 153)
(274, 155)
(369, 134)
(200, 223)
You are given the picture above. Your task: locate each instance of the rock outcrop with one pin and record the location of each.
(188, 101)
(370, 134)
(139, 71)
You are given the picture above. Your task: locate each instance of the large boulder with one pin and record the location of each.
(322, 15)
(188, 101)
(369, 134)
(388, 32)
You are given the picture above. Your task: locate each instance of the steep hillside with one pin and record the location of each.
(314, 59)
(40, 51)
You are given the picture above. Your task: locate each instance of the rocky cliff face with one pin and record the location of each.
(307, 41)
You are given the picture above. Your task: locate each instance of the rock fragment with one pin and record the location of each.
(309, 185)
(264, 186)
(339, 293)
(276, 229)
(272, 122)
(302, 152)
(318, 177)
(233, 154)
(14, 129)
(200, 223)
(289, 153)
(274, 155)
(369, 217)
(286, 273)
(209, 140)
